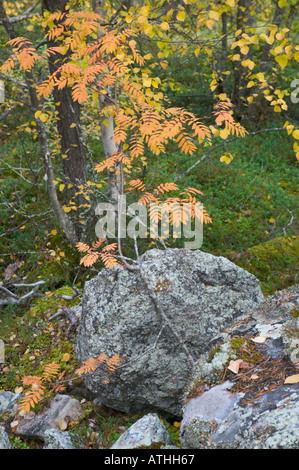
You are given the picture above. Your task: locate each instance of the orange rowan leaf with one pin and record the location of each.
(89, 259)
(82, 247)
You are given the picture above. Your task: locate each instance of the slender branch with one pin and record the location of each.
(8, 112)
(225, 142)
(14, 298)
(14, 80)
(33, 284)
(8, 232)
(70, 315)
(24, 16)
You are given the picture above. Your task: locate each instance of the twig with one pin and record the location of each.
(228, 141)
(14, 298)
(24, 16)
(34, 284)
(8, 232)
(8, 112)
(74, 320)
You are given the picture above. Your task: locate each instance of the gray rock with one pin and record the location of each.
(200, 293)
(55, 439)
(4, 440)
(202, 415)
(272, 423)
(8, 402)
(62, 407)
(146, 432)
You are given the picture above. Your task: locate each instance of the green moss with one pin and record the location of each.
(295, 312)
(49, 302)
(274, 262)
(155, 445)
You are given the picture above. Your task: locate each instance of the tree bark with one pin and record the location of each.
(71, 138)
(244, 20)
(61, 216)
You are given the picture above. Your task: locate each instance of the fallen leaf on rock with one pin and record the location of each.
(258, 339)
(62, 424)
(14, 425)
(234, 366)
(245, 365)
(292, 379)
(254, 377)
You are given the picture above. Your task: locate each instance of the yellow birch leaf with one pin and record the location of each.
(181, 15)
(210, 24)
(222, 96)
(73, 125)
(296, 134)
(224, 133)
(66, 357)
(226, 158)
(147, 82)
(53, 232)
(43, 117)
(282, 60)
(244, 50)
(165, 26)
(214, 15)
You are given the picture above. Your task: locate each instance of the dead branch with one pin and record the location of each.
(17, 300)
(70, 315)
(24, 16)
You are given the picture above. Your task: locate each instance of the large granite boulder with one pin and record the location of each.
(200, 293)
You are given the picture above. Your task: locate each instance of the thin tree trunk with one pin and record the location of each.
(277, 19)
(107, 132)
(61, 216)
(244, 20)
